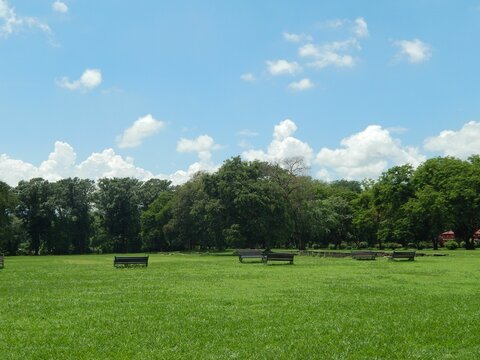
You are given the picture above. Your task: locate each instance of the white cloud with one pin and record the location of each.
(461, 143)
(295, 38)
(283, 146)
(108, 164)
(282, 67)
(12, 170)
(301, 85)
(60, 7)
(61, 163)
(247, 132)
(90, 79)
(142, 128)
(202, 145)
(248, 77)
(333, 24)
(10, 22)
(335, 53)
(360, 27)
(413, 51)
(366, 155)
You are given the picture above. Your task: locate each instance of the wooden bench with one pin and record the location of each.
(363, 255)
(130, 260)
(250, 254)
(2, 263)
(277, 257)
(409, 255)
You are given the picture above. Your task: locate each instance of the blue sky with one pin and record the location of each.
(156, 88)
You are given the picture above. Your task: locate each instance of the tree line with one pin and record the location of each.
(244, 205)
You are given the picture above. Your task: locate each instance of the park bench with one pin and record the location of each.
(277, 257)
(249, 254)
(130, 260)
(2, 259)
(409, 255)
(363, 255)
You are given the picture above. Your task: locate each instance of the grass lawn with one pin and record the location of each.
(190, 306)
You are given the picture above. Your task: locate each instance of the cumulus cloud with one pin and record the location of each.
(461, 143)
(90, 79)
(248, 77)
(202, 145)
(301, 85)
(10, 22)
(295, 38)
(247, 132)
(360, 27)
(13, 170)
(336, 53)
(283, 67)
(366, 155)
(283, 146)
(142, 128)
(62, 163)
(60, 7)
(413, 51)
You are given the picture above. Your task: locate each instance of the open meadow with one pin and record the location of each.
(192, 306)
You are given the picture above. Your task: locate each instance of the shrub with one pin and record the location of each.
(462, 244)
(451, 245)
(316, 246)
(362, 245)
(332, 247)
(423, 245)
(412, 246)
(392, 245)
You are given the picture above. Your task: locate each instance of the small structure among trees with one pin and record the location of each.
(446, 236)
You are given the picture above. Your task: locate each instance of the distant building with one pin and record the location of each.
(445, 236)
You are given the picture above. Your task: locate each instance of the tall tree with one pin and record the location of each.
(118, 208)
(72, 200)
(8, 202)
(37, 213)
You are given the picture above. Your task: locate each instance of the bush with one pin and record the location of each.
(362, 245)
(462, 244)
(451, 245)
(332, 247)
(412, 246)
(316, 246)
(423, 245)
(392, 245)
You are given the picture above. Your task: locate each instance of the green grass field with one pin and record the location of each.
(190, 306)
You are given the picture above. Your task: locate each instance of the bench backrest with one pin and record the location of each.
(403, 254)
(130, 260)
(279, 256)
(363, 252)
(246, 252)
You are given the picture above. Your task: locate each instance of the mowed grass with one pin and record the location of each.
(191, 306)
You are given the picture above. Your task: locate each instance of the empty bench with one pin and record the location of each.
(2, 259)
(130, 260)
(364, 255)
(408, 255)
(277, 257)
(250, 254)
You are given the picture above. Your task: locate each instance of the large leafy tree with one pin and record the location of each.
(153, 220)
(37, 213)
(457, 183)
(72, 224)
(8, 202)
(118, 206)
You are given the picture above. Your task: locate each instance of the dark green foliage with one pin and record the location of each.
(244, 205)
(451, 245)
